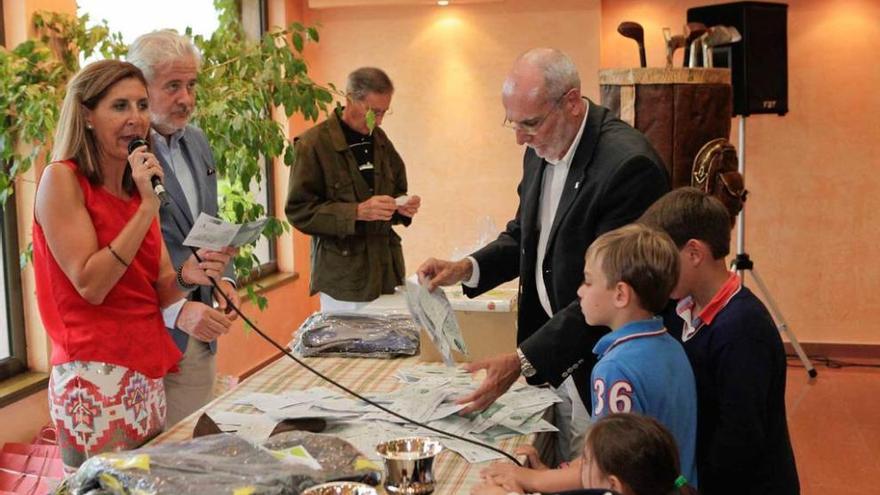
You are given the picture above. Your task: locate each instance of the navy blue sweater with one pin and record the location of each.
(739, 364)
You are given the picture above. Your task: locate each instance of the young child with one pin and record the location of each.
(628, 453)
(628, 276)
(734, 347)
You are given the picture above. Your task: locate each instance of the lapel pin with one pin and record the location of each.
(577, 184)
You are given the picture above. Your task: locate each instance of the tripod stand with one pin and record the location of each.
(742, 263)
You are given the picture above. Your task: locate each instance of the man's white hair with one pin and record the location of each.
(153, 50)
(560, 73)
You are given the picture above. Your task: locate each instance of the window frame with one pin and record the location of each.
(258, 27)
(13, 299)
(2, 26)
(16, 363)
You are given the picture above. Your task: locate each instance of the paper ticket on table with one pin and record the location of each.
(214, 233)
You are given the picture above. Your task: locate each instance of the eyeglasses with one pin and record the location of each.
(381, 113)
(376, 111)
(532, 126)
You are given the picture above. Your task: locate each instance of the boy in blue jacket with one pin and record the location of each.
(628, 276)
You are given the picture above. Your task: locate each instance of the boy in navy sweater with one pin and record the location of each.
(743, 445)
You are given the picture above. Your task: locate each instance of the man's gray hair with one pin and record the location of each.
(560, 73)
(368, 80)
(153, 50)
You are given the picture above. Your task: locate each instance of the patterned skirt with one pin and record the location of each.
(98, 407)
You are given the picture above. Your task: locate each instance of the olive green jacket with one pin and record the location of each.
(351, 260)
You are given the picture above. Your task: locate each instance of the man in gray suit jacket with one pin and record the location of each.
(170, 63)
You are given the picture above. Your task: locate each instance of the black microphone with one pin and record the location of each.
(158, 188)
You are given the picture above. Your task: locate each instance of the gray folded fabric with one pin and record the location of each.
(357, 335)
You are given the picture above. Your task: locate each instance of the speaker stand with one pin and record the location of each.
(743, 264)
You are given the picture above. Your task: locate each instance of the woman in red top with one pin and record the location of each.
(102, 270)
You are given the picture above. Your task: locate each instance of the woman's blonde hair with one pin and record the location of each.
(73, 141)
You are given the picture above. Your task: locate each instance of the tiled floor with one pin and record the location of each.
(834, 423)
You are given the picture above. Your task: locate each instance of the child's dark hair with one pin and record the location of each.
(640, 452)
(688, 213)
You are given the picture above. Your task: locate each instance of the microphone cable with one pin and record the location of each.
(320, 375)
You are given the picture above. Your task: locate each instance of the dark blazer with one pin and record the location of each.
(176, 219)
(614, 176)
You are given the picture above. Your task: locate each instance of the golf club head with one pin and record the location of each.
(735, 37)
(693, 30)
(696, 46)
(721, 35)
(715, 36)
(635, 32)
(676, 42)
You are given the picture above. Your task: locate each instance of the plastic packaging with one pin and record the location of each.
(377, 335)
(224, 463)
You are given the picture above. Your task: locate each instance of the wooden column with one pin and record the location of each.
(679, 110)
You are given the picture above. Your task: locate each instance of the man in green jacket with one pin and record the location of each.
(347, 189)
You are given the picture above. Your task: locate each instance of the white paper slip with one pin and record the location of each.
(255, 427)
(401, 200)
(433, 312)
(214, 233)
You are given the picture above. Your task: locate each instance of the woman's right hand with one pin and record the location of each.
(145, 165)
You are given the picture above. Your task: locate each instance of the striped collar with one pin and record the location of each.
(633, 330)
(685, 308)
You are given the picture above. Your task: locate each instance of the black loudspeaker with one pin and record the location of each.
(758, 63)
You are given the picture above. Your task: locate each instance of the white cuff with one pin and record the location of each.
(231, 281)
(170, 313)
(475, 274)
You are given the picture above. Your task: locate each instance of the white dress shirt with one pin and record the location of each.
(172, 154)
(552, 184)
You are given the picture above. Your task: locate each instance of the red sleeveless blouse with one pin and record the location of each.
(127, 328)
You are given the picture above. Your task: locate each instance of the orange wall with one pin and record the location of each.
(813, 174)
(289, 304)
(448, 64)
(22, 420)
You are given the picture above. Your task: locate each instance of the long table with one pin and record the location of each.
(453, 473)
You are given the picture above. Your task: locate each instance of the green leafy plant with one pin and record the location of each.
(241, 81)
(32, 80)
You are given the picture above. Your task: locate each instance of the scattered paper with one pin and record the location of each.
(427, 395)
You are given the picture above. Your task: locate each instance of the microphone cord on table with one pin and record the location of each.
(320, 375)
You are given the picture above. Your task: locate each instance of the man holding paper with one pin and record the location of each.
(584, 172)
(170, 63)
(347, 189)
